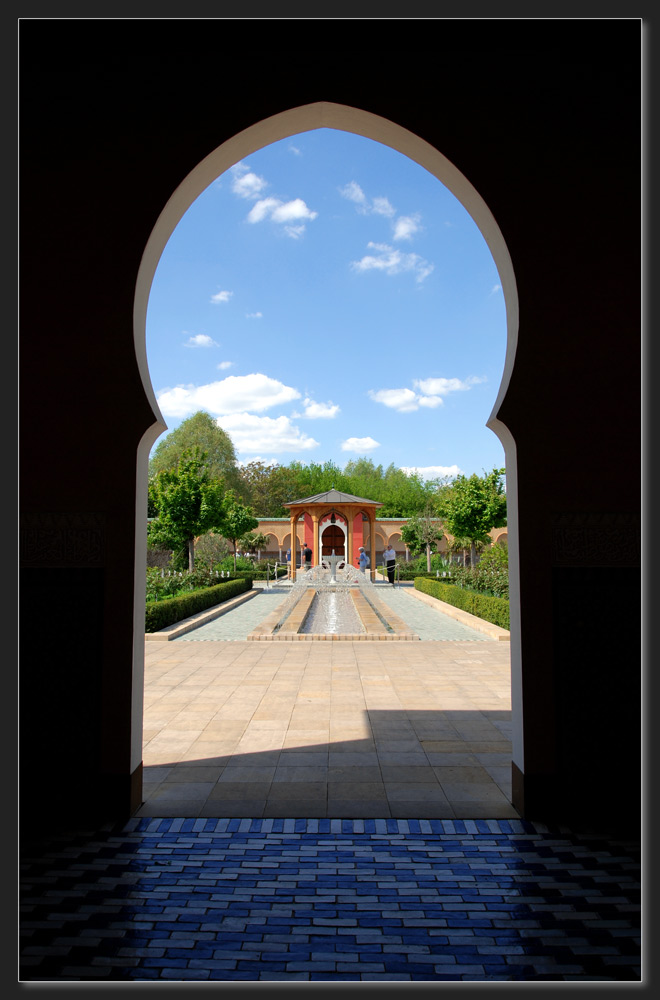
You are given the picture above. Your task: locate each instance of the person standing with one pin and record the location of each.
(307, 556)
(288, 564)
(389, 558)
(363, 559)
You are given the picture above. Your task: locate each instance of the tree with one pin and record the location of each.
(254, 541)
(471, 506)
(211, 549)
(423, 533)
(237, 520)
(199, 431)
(187, 503)
(268, 487)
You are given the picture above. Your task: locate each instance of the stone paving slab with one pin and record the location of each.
(246, 900)
(418, 728)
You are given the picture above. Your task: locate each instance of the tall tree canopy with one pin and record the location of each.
(187, 502)
(402, 494)
(199, 431)
(471, 506)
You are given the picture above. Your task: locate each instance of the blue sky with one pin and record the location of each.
(329, 299)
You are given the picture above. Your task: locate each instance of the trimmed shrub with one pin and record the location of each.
(406, 573)
(490, 609)
(160, 614)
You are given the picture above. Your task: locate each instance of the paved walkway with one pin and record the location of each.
(428, 623)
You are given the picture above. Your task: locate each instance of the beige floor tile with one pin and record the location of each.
(337, 774)
(364, 758)
(238, 808)
(416, 808)
(252, 706)
(356, 791)
(359, 809)
(299, 791)
(244, 773)
(408, 773)
(300, 758)
(290, 808)
(418, 791)
(308, 773)
(473, 791)
(237, 790)
(462, 774)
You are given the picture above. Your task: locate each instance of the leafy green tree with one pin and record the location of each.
(423, 533)
(237, 520)
(471, 506)
(187, 502)
(199, 431)
(268, 487)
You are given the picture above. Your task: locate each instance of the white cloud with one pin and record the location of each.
(256, 315)
(432, 471)
(225, 364)
(359, 445)
(353, 192)
(253, 434)
(247, 184)
(234, 394)
(403, 400)
(381, 206)
(495, 288)
(221, 297)
(443, 386)
(200, 340)
(283, 213)
(262, 209)
(406, 226)
(393, 262)
(317, 411)
(295, 150)
(430, 394)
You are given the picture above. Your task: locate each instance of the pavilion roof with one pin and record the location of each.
(333, 496)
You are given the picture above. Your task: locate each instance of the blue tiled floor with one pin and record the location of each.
(327, 900)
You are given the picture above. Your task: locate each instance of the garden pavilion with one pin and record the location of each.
(334, 520)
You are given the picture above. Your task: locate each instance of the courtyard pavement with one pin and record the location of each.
(235, 728)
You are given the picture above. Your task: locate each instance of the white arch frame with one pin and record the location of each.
(281, 126)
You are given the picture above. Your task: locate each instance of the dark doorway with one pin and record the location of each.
(333, 538)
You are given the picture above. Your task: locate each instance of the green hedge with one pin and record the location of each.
(490, 609)
(412, 574)
(258, 574)
(160, 614)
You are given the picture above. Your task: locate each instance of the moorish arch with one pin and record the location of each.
(533, 165)
(355, 120)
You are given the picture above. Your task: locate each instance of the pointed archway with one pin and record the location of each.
(257, 136)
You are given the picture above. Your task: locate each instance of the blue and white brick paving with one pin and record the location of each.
(330, 900)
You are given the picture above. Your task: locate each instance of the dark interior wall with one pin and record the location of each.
(544, 121)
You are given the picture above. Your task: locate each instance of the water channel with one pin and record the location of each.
(332, 613)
